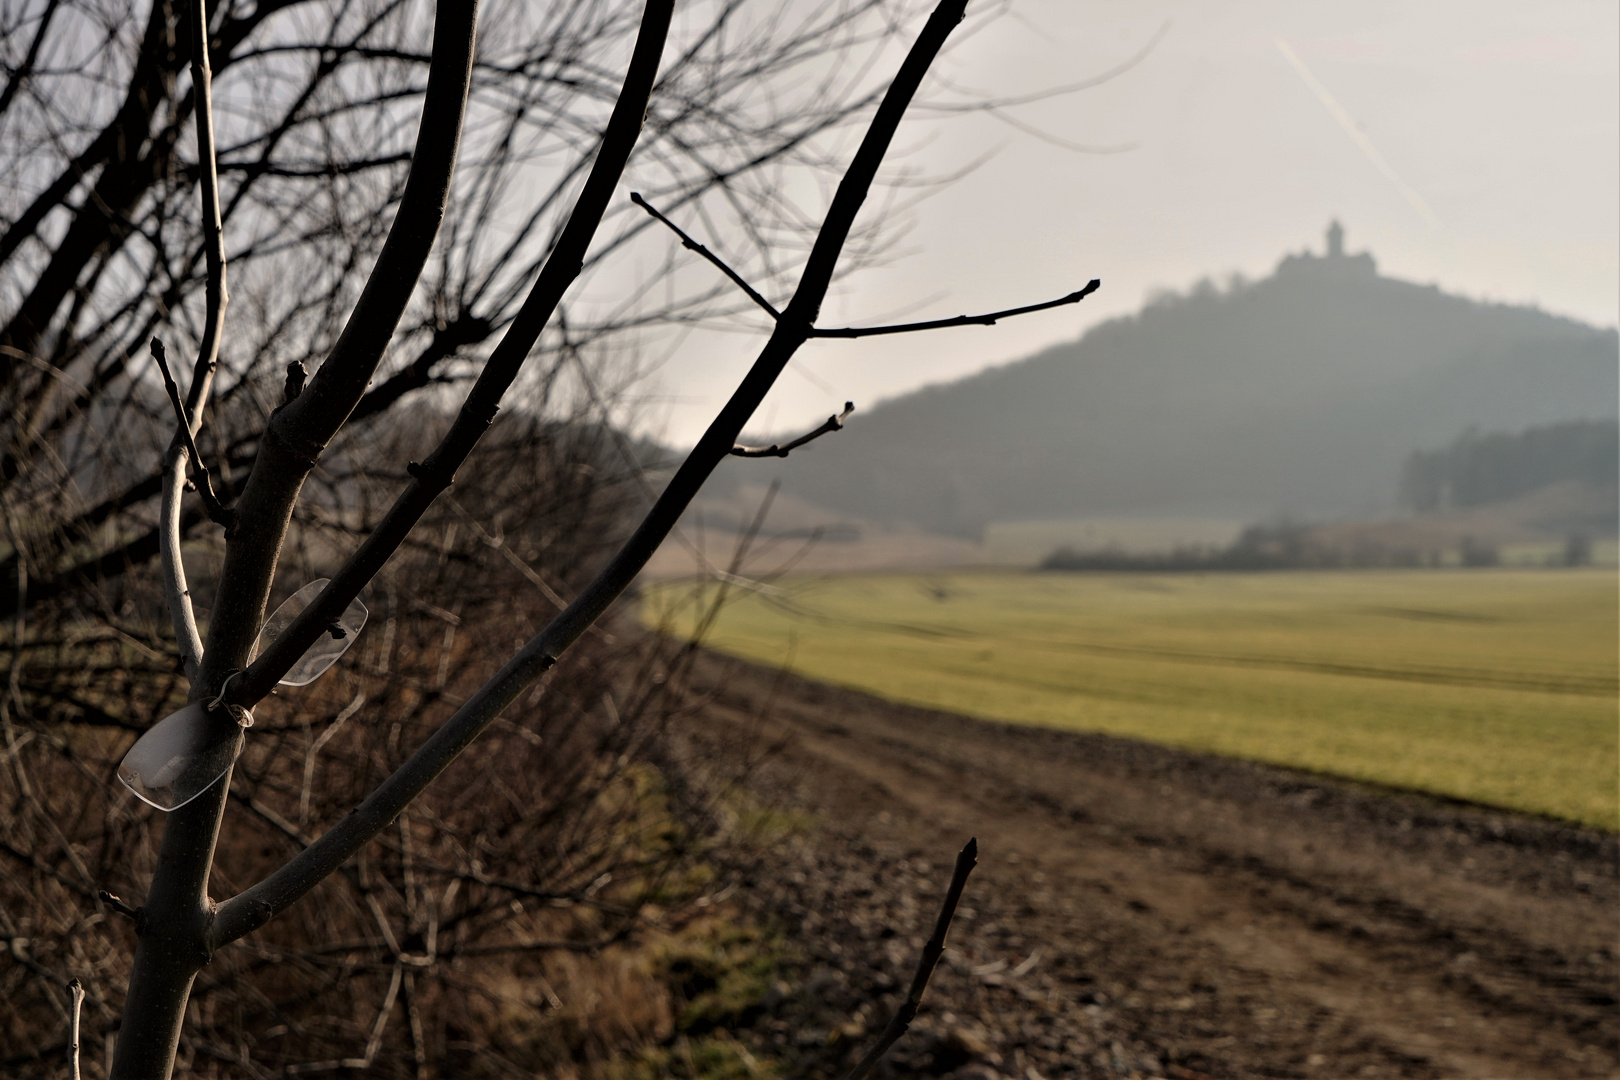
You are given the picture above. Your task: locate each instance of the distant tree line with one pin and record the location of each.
(1478, 469)
(1474, 470)
(1296, 546)
(1280, 546)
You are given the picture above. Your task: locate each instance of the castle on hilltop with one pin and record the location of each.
(1333, 263)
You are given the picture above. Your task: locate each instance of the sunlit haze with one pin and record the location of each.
(1472, 145)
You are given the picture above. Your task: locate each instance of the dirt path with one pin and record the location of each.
(1141, 911)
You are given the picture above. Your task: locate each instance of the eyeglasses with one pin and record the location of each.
(327, 648)
(182, 755)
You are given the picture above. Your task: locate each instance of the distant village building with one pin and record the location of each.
(1335, 262)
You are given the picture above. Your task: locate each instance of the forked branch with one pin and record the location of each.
(217, 511)
(987, 319)
(834, 423)
(932, 951)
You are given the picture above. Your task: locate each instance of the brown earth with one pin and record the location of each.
(1140, 911)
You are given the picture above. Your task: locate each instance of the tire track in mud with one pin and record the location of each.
(1270, 923)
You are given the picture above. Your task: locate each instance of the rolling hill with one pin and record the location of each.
(1298, 395)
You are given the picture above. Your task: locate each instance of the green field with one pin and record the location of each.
(1496, 686)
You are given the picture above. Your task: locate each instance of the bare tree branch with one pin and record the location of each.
(961, 320)
(218, 295)
(176, 593)
(76, 993)
(258, 904)
(218, 513)
(932, 950)
(509, 555)
(167, 955)
(692, 245)
(299, 432)
(438, 469)
(834, 423)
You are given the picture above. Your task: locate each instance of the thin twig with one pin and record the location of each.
(834, 423)
(176, 592)
(692, 245)
(218, 295)
(116, 904)
(925, 966)
(372, 1045)
(19, 634)
(217, 513)
(315, 748)
(491, 540)
(961, 320)
(76, 991)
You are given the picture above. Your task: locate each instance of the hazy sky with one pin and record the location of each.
(1482, 154)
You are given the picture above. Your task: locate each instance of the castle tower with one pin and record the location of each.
(1334, 262)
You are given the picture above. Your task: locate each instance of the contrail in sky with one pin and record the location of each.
(1355, 133)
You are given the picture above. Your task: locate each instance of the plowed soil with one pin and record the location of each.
(1140, 911)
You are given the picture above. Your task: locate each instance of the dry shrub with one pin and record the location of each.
(489, 928)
